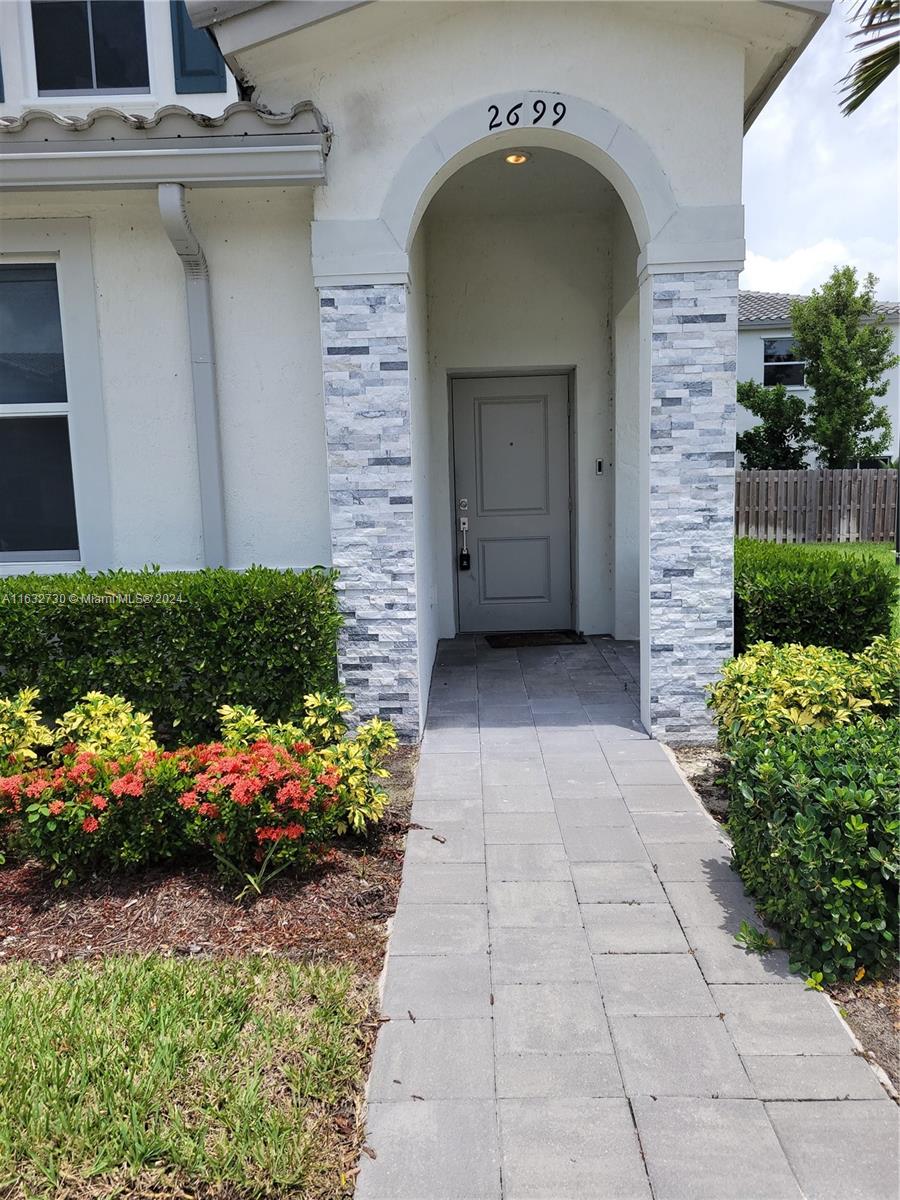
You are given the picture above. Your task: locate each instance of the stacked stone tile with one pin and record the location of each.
(367, 419)
(692, 445)
(692, 432)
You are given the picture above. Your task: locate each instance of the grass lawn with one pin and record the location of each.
(159, 1039)
(136, 1075)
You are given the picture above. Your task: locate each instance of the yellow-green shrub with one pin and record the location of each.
(22, 733)
(322, 723)
(105, 725)
(770, 689)
(358, 756)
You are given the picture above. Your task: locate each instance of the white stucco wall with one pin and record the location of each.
(269, 372)
(626, 473)
(422, 430)
(750, 366)
(523, 294)
(626, 461)
(411, 65)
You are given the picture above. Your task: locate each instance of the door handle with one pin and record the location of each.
(465, 558)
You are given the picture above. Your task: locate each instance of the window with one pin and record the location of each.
(37, 497)
(780, 364)
(90, 46)
(55, 512)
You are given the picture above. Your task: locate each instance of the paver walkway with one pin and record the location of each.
(569, 1017)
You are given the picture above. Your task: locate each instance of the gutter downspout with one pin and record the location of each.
(203, 369)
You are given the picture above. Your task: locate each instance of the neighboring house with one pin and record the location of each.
(766, 353)
(459, 274)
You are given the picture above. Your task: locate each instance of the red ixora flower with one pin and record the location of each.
(36, 789)
(55, 807)
(99, 802)
(9, 786)
(330, 777)
(188, 800)
(269, 833)
(244, 791)
(127, 785)
(207, 809)
(90, 824)
(275, 833)
(294, 794)
(82, 772)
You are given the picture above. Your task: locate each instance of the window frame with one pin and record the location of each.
(776, 337)
(70, 92)
(67, 244)
(20, 76)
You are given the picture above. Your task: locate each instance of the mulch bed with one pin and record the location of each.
(337, 912)
(872, 1010)
(705, 768)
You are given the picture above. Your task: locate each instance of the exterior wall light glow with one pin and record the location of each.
(517, 158)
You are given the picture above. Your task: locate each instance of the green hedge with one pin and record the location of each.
(813, 818)
(814, 595)
(177, 644)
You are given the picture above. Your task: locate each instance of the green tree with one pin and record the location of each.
(780, 442)
(878, 37)
(848, 349)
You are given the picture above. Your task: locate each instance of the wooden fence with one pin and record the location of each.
(816, 506)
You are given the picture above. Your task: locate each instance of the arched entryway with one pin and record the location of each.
(578, 265)
(518, 271)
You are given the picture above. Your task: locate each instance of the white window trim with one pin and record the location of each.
(69, 93)
(53, 100)
(772, 337)
(67, 243)
(20, 76)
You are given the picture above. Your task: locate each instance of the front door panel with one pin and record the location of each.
(511, 455)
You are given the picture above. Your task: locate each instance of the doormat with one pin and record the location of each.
(542, 637)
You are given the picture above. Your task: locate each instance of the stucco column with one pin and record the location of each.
(688, 434)
(367, 422)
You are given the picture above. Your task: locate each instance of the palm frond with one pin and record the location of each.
(879, 34)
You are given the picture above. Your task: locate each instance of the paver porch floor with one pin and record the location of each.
(569, 1018)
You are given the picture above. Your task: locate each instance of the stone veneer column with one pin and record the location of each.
(367, 422)
(691, 505)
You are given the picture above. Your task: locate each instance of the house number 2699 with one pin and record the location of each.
(516, 115)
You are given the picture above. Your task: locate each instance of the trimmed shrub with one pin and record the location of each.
(176, 644)
(93, 812)
(22, 735)
(813, 595)
(813, 743)
(813, 818)
(257, 804)
(106, 725)
(356, 759)
(775, 688)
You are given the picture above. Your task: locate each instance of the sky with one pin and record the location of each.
(820, 189)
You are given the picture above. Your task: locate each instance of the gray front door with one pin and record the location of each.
(511, 456)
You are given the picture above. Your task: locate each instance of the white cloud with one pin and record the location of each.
(819, 188)
(808, 266)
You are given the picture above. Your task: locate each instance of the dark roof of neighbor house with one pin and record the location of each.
(774, 308)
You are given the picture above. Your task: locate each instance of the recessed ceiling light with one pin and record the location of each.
(517, 158)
